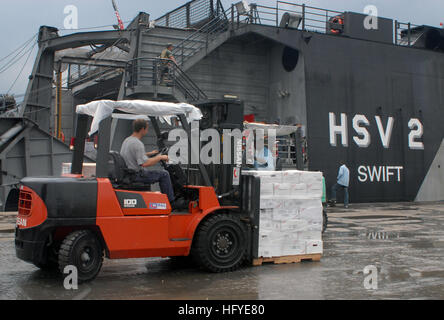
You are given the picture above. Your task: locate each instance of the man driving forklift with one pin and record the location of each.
(133, 152)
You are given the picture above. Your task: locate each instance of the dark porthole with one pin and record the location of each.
(290, 58)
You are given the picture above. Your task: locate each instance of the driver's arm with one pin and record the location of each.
(152, 153)
(154, 160)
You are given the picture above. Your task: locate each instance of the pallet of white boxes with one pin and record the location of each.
(290, 221)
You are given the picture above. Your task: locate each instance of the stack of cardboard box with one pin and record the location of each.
(290, 213)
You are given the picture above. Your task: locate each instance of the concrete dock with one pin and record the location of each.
(403, 241)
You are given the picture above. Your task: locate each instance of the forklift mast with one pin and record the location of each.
(82, 121)
(220, 115)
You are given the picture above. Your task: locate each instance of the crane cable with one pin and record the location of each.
(21, 70)
(15, 59)
(22, 46)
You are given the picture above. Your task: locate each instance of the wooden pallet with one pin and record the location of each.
(287, 259)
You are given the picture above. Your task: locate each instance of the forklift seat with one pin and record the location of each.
(121, 176)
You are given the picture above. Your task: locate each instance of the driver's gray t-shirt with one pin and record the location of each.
(133, 152)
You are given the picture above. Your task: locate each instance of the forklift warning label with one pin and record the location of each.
(159, 206)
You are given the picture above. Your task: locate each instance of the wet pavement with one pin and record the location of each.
(404, 241)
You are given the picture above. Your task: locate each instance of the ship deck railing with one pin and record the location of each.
(198, 13)
(406, 34)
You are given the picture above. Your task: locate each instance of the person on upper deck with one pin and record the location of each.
(165, 65)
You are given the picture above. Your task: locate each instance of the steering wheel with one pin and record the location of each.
(177, 175)
(164, 151)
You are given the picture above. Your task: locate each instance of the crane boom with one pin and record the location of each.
(119, 20)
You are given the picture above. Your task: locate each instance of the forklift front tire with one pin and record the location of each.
(221, 243)
(83, 250)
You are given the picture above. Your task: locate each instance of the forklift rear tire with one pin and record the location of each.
(220, 244)
(83, 250)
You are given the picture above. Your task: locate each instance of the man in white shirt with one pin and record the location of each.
(264, 159)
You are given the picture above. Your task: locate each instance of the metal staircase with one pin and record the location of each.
(192, 28)
(162, 78)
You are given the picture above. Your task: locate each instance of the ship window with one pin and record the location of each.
(290, 58)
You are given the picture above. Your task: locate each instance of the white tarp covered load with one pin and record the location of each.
(102, 109)
(281, 130)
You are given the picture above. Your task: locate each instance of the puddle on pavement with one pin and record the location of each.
(376, 217)
(421, 244)
(402, 208)
(433, 274)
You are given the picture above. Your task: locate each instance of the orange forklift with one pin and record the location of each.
(76, 220)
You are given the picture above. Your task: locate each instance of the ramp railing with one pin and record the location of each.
(406, 34)
(191, 15)
(207, 31)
